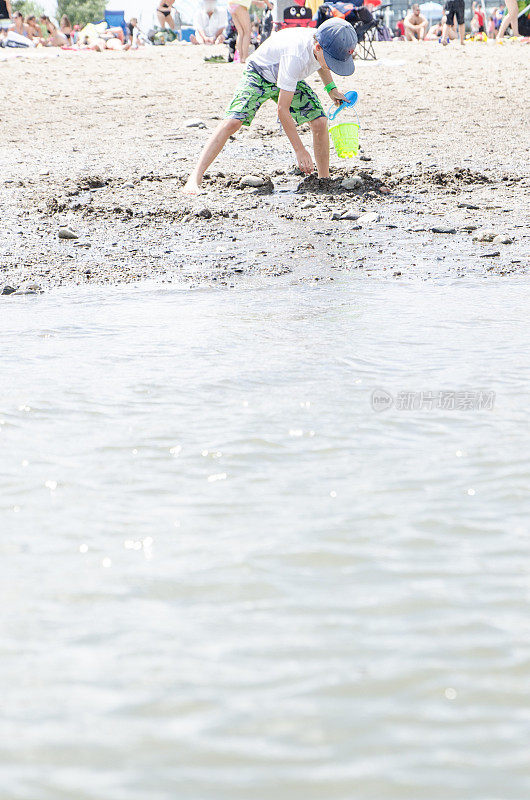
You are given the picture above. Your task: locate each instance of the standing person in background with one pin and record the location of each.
(164, 13)
(5, 14)
(209, 23)
(241, 19)
(454, 8)
(511, 19)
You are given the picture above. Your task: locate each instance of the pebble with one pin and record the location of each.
(502, 239)
(8, 290)
(307, 205)
(365, 158)
(468, 205)
(485, 236)
(205, 213)
(31, 288)
(368, 218)
(251, 180)
(67, 233)
(443, 230)
(355, 182)
(194, 123)
(491, 255)
(354, 215)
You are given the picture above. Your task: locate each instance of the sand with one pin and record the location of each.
(98, 142)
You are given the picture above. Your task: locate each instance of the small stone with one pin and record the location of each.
(443, 230)
(251, 180)
(354, 182)
(491, 255)
(485, 236)
(468, 205)
(469, 228)
(368, 218)
(8, 290)
(502, 239)
(365, 158)
(353, 215)
(307, 205)
(194, 123)
(67, 233)
(205, 213)
(30, 288)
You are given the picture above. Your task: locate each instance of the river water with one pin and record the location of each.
(226, 576)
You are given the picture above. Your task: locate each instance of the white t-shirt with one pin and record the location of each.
(286, 57)
(210, 25)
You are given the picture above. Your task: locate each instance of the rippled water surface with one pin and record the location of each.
(225, 577)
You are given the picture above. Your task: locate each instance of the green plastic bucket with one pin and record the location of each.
(345, 138)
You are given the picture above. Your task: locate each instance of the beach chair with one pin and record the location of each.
(360, 18)
(116, 19)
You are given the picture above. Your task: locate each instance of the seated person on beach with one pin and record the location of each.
(209, 23)
(66, 28)
(134, 37)
(277, 71)
(56, 38)
(34, 29)
(435, 32)
(454, 9)
(415, 24)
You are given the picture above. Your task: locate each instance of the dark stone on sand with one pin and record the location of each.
(67, 233)
(468, 205)
(353, 215)
(205, 213)
(443, 230)
(194, 123)
(8, 290)
(491, 255)
(365, 158)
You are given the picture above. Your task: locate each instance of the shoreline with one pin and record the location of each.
(110, 167)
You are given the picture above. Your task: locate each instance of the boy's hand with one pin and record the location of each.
(305, 162)
(337, 97)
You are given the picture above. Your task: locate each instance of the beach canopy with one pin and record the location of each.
(432, 11)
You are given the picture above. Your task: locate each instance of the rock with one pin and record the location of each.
(502, 239)
(491, 255)
(469, 228)
(205, 213)
(307, 205)
(251, 180)
(353, 215)
(30, 288)
(468, 205)
(8, 290)
(443, 230)
(355, 182)
(368, 218)
(67, 233)
(485, 236)
(194, 123)
(365, 158)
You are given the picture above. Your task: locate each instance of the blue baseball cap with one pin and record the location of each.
(337, 39)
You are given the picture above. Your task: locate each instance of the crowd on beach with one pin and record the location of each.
(234, 26)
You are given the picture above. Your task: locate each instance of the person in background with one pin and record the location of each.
(56, 38)
(34, 29)
(5, 14)
(454, 9)
(477, 24)
(165, 13)
(415, 24)
(66, 28)
(241, 19)
(209, 23)
(400, 28)
(511, 19)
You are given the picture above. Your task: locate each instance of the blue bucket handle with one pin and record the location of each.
(334, 110)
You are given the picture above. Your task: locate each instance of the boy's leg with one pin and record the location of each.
(319, 129)
(462, 30)
(210, 152)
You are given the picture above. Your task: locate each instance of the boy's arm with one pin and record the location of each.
(305, 162)
(326, 77)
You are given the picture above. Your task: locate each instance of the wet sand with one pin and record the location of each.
(98, 142)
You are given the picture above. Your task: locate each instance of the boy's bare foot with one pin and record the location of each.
(191, 186)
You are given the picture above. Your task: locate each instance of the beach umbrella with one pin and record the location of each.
(432, 11)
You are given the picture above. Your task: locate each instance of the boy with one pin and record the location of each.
(276, 70)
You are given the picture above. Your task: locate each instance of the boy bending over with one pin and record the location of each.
(276, 70)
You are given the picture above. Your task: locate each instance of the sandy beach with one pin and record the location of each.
(101, 143)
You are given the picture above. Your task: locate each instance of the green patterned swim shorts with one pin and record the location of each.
(253, 90)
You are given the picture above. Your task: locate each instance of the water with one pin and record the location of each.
(225, 576)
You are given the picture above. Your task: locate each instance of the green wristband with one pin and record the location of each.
(330, 86)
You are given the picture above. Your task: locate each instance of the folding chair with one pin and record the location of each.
(116, 19)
